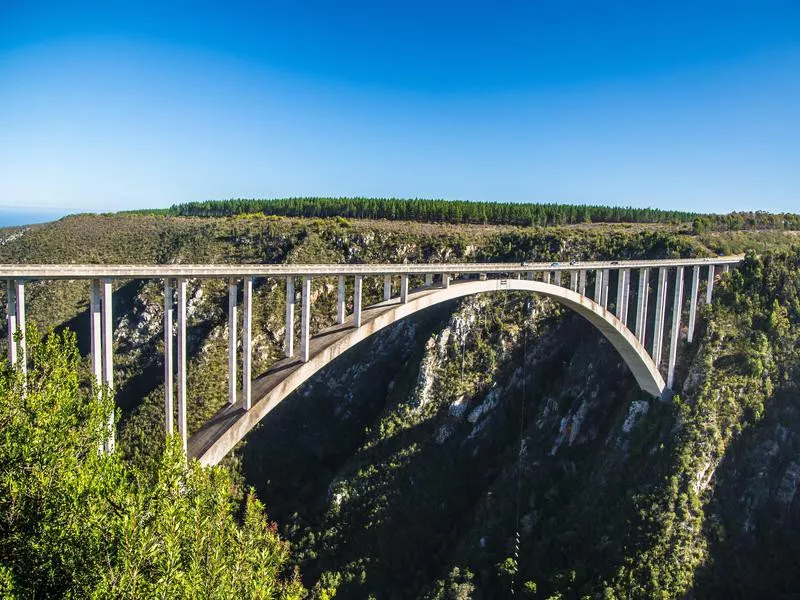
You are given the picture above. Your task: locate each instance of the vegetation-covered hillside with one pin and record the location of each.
(407, 468)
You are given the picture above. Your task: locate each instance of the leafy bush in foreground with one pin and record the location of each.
(78, 523)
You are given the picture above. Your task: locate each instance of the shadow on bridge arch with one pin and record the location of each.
(231, 424)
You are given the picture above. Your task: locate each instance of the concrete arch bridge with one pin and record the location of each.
(582, 287)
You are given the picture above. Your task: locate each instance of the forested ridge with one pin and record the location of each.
(495, 213)
(407, 468)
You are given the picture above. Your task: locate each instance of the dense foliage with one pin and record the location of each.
(446, 211)
(78, 523)
(748, 365)
(495, 213)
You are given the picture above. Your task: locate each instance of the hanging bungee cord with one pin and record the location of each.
(528, 306)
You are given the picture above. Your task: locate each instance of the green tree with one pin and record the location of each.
(779, 320)
(78, 523)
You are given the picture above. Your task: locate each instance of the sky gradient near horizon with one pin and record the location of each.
(676, 105)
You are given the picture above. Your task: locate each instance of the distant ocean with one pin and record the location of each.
(10, 217)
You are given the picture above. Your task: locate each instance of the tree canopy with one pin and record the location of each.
(495, 213)
(79, 523)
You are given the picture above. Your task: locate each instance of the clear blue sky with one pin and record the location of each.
(681, 104)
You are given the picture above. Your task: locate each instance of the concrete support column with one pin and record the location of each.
(429, 279)
(529, 275)
(169, 315)
(387, 287)
(182, 432)
(641, 305)
(619, 307)
(403, 289)
(546, 277)
(288, 340)
(340, 306)
(19, 305)
(445, 281)
(661, 301)
(598, 286)
(677, 308)
(726, 268)
(233, 325)
(11, 320)
(108, 354)
(626, 299)
(693, 302)
(247, 345)
(710, 284)
(604, 293)
(108, 331)
(357, 301)
(96, 342)
(626, 294)
(305, 320)
(101, 346)
(557, 278)
(573, 281)
(96, 334)
(582, 282)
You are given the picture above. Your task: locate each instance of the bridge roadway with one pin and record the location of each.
(221, 271)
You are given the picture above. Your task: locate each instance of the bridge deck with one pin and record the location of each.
(151, 271)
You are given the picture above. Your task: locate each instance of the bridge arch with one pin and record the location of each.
(232, 423)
